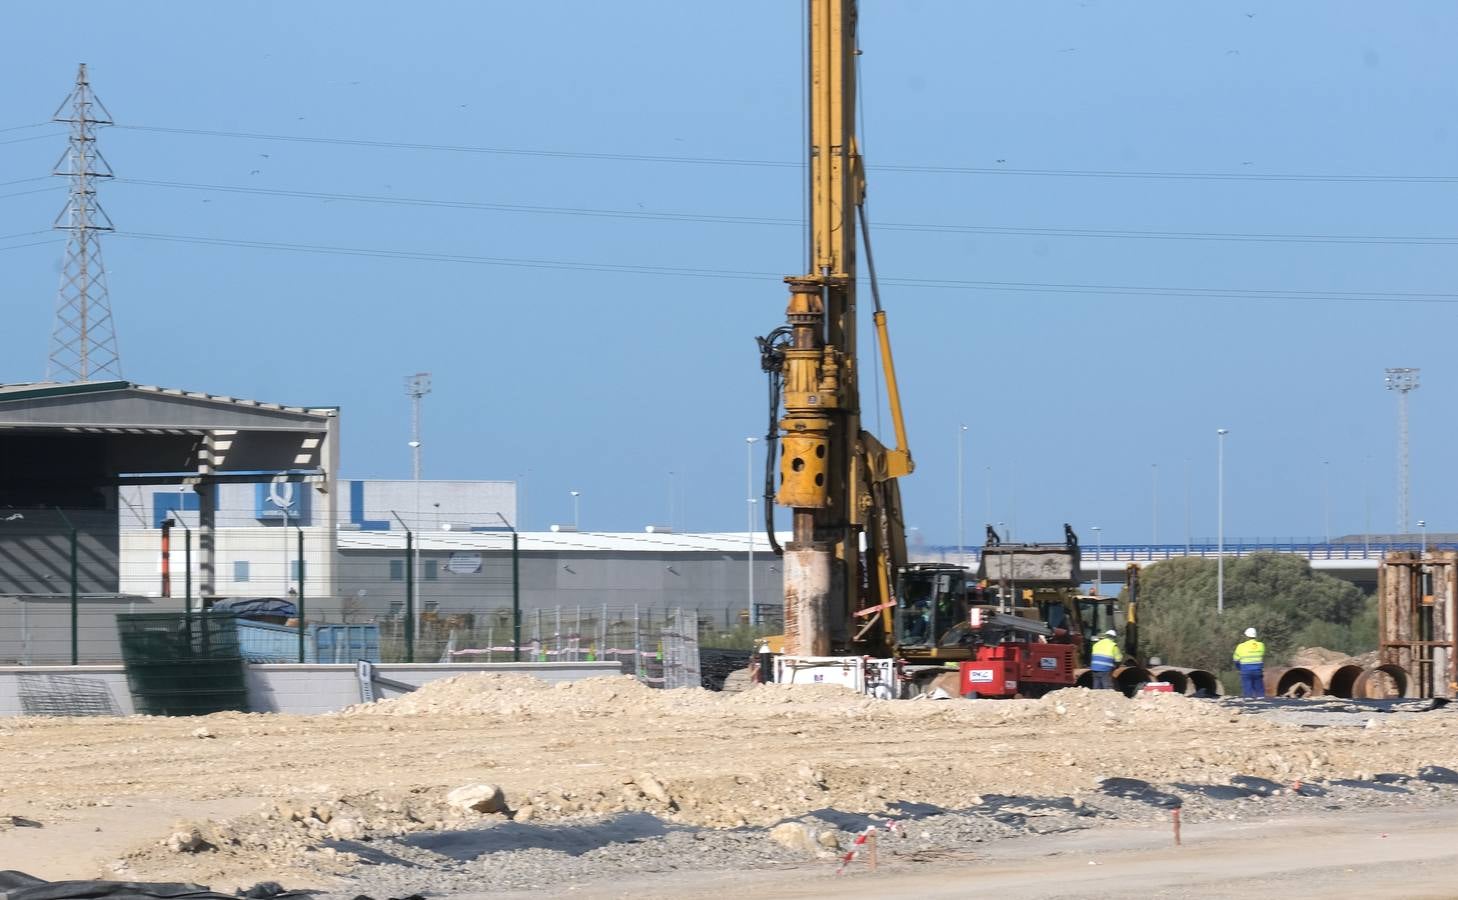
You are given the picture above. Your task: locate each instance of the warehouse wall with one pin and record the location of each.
(371, 582)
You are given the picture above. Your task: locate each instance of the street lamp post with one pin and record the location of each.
(1326, 499)
(1099, 555)
(1220, 521)
(749, 521)
(576, 509)
(961, 496)
(987, 488)
(1154, 504)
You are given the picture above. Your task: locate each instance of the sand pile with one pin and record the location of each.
(1317, 656)
(522, 696)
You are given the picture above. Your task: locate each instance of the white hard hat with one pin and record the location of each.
(1250, 632)
(1112, 633)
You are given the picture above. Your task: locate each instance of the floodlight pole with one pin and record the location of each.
(1404, 381)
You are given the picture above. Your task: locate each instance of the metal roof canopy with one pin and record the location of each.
(64, 445)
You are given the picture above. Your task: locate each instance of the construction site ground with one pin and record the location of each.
(612, 788)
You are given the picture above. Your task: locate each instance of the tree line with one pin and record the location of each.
(1278, 594)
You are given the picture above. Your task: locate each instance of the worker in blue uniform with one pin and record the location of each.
(1104, 659)
(1250, 660)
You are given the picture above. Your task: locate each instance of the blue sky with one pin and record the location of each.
(572, 378)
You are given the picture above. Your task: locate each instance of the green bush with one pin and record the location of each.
(1278, 594)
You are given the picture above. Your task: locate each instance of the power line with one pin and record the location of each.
(1016, 286)
(44, 190)
(32, 244)
(649, 215)
(34, 137)
(23, 127)
(770, 163)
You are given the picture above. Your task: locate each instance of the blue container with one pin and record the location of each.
(323, 643)
(345, 643)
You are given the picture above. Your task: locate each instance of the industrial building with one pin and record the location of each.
(128, 497)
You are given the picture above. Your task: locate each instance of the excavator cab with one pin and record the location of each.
(931, 598)
(1092, 616)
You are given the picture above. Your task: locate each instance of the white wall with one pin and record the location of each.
(269, 552)
(295, 689)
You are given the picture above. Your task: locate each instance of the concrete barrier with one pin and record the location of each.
(307, 689)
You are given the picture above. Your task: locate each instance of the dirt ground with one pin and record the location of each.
(1372, 856)
(257, 797)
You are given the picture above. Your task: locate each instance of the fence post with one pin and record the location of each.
(515, 597)
(75, 590)
(300, 609)
(409, 588)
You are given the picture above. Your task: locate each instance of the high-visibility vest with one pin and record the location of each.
(1250, 655)
(1105, 656)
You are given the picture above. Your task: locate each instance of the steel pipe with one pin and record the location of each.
(1339, 679)
(1296, 681)
(1129, 678)
(1197, 682)
(1383, 682)
(1175, 677)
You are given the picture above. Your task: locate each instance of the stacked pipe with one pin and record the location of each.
(1128, 679)
(1346, 681)
(1190, 682)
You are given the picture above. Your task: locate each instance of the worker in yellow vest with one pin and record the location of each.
(1104, 658)
(1250, 659)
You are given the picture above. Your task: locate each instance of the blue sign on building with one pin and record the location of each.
(279, 501)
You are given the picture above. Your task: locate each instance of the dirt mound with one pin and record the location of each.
(1317, 656)
(510, 694)
(818, 694)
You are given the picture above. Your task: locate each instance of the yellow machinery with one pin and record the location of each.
(848, 537)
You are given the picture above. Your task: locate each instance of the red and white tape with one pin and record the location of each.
(862, 838)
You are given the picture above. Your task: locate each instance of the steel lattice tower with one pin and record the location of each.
(1404, 381)
(83, 342)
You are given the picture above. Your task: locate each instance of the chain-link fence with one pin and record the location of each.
(384, 587)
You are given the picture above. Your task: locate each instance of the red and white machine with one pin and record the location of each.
(1011, 661)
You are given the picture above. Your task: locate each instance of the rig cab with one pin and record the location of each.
(931, 599)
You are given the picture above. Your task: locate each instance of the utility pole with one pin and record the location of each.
(1404, 381)
(1220, 434)
(83, 341)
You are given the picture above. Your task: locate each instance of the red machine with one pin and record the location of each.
(1018, 669)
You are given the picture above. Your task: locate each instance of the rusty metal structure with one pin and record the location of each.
(1417, 619)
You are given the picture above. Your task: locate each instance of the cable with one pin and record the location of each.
(44, 190)
(23, 127)
(770, 163)
(31, 244)
(21, 234)
(26, 180)
(34, 137)
(939, 283)
(650, 215)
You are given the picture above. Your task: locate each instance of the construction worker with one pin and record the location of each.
(1104, 658)
(1250, 659)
